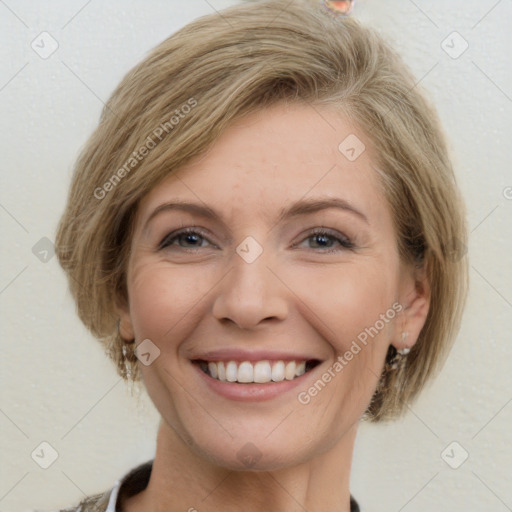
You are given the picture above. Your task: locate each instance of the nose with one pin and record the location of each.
(250, 294)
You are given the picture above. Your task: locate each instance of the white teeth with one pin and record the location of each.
(231, 371)
(259, 372)
(262, 372)
(212, 368)
(278, 371)
(245, 372)
(289, 371)
(221, 371)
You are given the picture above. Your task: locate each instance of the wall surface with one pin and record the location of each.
(57, 385)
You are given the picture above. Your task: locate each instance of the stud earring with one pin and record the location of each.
(404, 351)
(396, 357)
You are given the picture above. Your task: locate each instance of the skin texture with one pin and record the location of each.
(198, 294)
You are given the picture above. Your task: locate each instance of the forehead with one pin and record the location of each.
(275, 157)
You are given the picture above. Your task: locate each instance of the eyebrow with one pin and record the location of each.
(302, 207)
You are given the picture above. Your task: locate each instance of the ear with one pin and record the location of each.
(125, 321)
(415, 299)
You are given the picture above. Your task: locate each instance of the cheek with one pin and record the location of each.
(163, 299)
(350, 301)
(352, 308)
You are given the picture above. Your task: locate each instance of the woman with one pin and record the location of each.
(265, 228)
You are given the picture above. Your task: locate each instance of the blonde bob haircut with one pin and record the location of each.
(186, 92)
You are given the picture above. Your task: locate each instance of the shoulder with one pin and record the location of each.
(94, 503)
(133, 482)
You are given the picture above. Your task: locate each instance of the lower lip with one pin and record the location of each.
(251, 392)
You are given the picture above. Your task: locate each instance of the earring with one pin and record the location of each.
(404, 351)
(128, 354)
(396, 357)
(127, 371)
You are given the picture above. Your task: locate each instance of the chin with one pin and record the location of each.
(258, 454)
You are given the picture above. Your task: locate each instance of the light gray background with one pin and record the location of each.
(57, 385)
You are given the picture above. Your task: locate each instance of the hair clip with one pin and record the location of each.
(339, 8)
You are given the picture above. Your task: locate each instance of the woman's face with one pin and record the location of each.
(254, 287)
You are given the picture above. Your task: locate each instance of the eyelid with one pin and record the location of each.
(345, 242)
(183, 231)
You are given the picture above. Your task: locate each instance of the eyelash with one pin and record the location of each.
(344, 241)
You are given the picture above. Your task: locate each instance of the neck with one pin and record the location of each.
(182, 481)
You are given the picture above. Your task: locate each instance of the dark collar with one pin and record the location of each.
(137, 480)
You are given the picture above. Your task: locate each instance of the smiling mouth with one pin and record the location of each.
(246, 372)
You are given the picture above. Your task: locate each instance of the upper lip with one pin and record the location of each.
(232, 354)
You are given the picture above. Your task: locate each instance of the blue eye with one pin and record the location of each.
(188, 235)
(322, 236)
